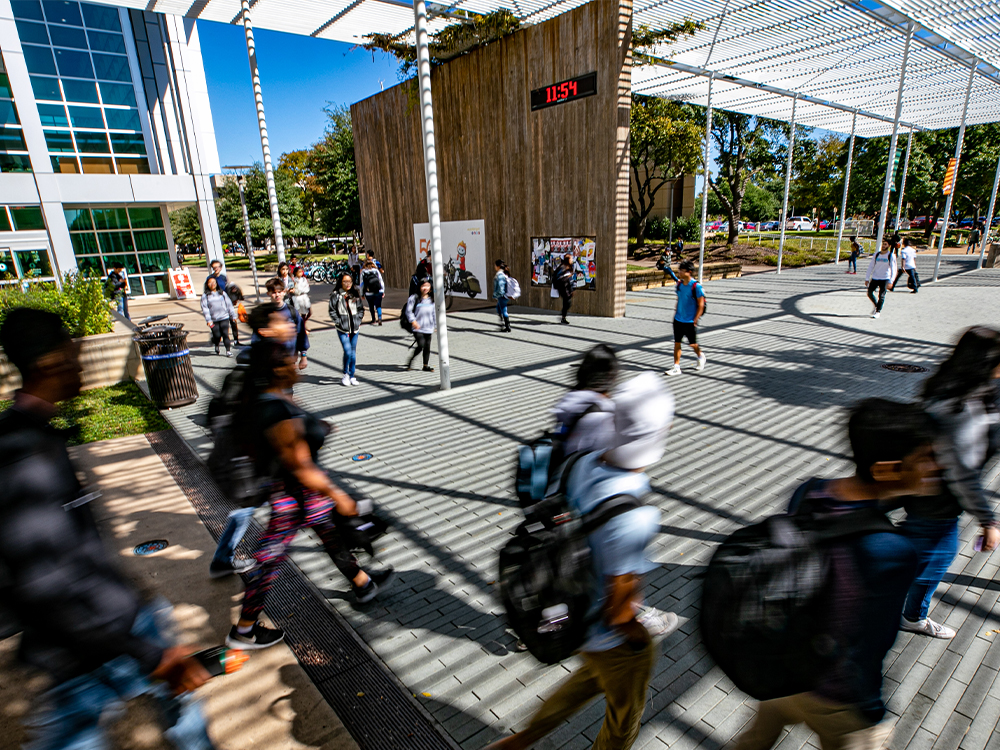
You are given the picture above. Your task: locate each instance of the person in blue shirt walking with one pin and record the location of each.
(690, 308)
(500, 295)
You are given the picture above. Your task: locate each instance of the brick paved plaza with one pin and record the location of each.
(785, 354)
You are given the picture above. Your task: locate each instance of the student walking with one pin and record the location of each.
(285, 276)
(354, 263)
(423, 321)
(300, 294)
(974, 236)
(563, 281)
(852, 260)
(235, 295)
(373, 285)
(219, 276)
(299, 344)
(116, 288)
(585, 415)
(346, 311)
(219, 312)
(908, 264)
(962, 400)
(618, 654)
(881, 272)
(500, 294)
(690, 308)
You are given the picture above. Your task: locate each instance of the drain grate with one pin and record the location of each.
(897, 367)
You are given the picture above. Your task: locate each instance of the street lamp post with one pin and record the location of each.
(246, 226)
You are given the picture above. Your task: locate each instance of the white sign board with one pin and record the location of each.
(463, 249)
(180, 284)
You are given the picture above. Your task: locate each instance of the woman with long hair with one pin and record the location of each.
(500, 294)
(285, 275)
(423, 320)
(962, 400)
(300, 294)
(218, 311)
(346, 312)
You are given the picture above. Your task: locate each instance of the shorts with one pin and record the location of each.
(685, 329)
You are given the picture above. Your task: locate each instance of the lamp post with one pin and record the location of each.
(246, 226)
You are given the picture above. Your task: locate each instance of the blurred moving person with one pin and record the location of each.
(300, 295)
(423, 320)
(374, 287)
(881, 272)
(116, 288)
(82, 623)
(219, 276)
(690, 308)
(235, 295)
(852, 259)
(347, 311)
(564, 285)
(908, 265)
(219, 314)
(585, 416)
(299, 344)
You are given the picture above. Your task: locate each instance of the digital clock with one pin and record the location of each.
(564, 91)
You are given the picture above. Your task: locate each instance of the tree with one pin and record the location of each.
(186, 227)
(227, 208)
(759, 203)
(818, 178)
(334, 172)
(664, 144)
(296, 165)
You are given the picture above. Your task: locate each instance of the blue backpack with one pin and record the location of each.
(537, 460)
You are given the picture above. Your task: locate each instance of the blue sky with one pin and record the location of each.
(299, 76)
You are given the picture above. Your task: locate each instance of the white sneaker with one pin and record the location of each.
(346, 380)
(876, 314)
(927, 626)
(354, 381)
(675, 370)
(701, 363)
(658, 624)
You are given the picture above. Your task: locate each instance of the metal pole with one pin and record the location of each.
(704, 190)
(246, 226)
(847, 184)
(958, 158)
(788, 184)
(902, 184)
(670, 241)
(431, 176)
(886, 187)
(989, 217)
(272, 195)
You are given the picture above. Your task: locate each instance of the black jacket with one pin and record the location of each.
(73, 605)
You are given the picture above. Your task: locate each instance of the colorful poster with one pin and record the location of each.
(180, 283)
(463, 249)
(548, 252)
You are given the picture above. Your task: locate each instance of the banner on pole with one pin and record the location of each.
(949, 176)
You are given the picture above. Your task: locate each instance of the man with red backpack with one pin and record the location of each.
(690, 308)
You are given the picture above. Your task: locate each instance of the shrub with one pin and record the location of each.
(81, 304)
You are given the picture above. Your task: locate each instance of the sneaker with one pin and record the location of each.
(701, 363)
(346, 380)
(258, 637)
(675, 370)
(564, 322)
(354, 381)
(927, 626)
(229, 352)
(658, 624)
(235, 568)
(428, 368)
(376, 582)
(216, 350)
(876, 314)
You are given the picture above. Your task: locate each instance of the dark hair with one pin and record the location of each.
(234, 292)
(212, 278)
(566, 261)
(28, 334)
(906, 242)
(353, 291)
(118, 264)
(969, 367)
(686, 265)
(502, 266)
(260, 316)
(274, 285)
(420, 284)
(884, 430)
(280, 266)
(214, 262)
(598, 370)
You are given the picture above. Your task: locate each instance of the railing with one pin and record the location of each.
(797, 244)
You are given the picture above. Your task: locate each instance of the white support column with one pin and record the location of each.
(958, 160)
(883, 220)
(989, 216)
(902, 184)
(272, 195)
(788, 183)
(847, 185)
(431, 175)
(704, 191)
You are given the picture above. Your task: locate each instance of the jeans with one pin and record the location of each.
(236, 527)
(852, 263)
(423, 342)
(121, 303)
(879, 284)
(502, 310)
(68, 716)
(375, 305)
(936, 542)
(350, 343)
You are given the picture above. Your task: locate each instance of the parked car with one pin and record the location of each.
(800, 224)
(750, 226)
(770, 226)
(940, 223)
(966, 223)
(824, 224)
(919, 222)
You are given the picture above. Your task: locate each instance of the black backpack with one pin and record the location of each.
(371, 282)
(404, 322)
(232, 463)
(546, 572)
(765, 598)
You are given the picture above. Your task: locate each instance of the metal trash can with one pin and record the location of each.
(167, 363)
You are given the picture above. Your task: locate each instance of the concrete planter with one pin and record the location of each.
(653, 278)
(107, 359)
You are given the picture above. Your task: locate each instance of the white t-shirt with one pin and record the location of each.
(882, 266)
(908, 256)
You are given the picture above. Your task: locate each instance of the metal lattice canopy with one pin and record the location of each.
(836, 55)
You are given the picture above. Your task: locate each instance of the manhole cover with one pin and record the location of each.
(896, 367)
(148, 548)
(361, 457)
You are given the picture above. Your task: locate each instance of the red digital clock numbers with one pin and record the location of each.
(565, 91)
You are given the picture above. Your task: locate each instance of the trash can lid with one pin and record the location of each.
(161, 331)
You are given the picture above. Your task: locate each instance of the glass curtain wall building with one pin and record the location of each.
(105, 127)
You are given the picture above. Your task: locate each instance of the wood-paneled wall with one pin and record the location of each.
(556, 172)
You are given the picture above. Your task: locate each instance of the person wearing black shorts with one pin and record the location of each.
(690, 308)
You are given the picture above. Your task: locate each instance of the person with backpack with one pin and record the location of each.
(881, 272)
(852, 260)
(235, 295)
(347, 311)
(218, 311)
(423, 271)
(300, 344)
(616, 647)
(974, 237)
(963, 401)
(690, 308)
(663, 264)
(420, 314)
(116, 288)
(374, 287)
(500, 284)
(563, 281)
(908, 265)
(585, 415)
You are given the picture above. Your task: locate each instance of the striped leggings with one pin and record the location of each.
(288, 515)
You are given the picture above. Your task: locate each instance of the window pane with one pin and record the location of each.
(33, 263)
(155, 284)
(67, 36)
(91, 143)
(86, 117)
(46, 88)
(8, 114)
(14, 163)
(65, 164)
(59, 140)
(61, 11)
(102, 42)
(155, 240)
(7, 270)
(123, 119)
(5, 86)
(102, 17)
(129, 261)
(117, 93)
(144, 217)
(128, 144)
(91, 165)
(11, 140)
(27, 9)
(4, 221)
(27, 218)
(153, 262)
(133, 166)
(110, 218)
(112, 67)
(90, 266)
(32, 32)
(77, 219)
(75, 64)
(39, 60)
(80, 91)
(53, 115)
(84, 243)
(115, 242)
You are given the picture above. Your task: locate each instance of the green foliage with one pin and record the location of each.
(186, 227)
(293, 219)
(81, 304)
(685, 228)
(759, 203)
(334, 175)
(645, 39)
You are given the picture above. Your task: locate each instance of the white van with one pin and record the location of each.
(800, 223)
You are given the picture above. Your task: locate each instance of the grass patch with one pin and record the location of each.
(632, 267)
(265, 263)
(104, 413)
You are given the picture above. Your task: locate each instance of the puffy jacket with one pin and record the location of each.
(216, 306)
(346, 311)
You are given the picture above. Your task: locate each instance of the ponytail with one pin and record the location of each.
(503, 266)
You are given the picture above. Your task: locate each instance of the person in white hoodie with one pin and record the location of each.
(908, 265)
(585, 415)
(218, 311)
(880, 274)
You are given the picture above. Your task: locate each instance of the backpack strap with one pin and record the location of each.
(614, 506)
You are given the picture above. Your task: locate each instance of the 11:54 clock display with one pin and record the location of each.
(564, 91)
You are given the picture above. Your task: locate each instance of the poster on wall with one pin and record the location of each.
(547, 253)
(463, 249)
